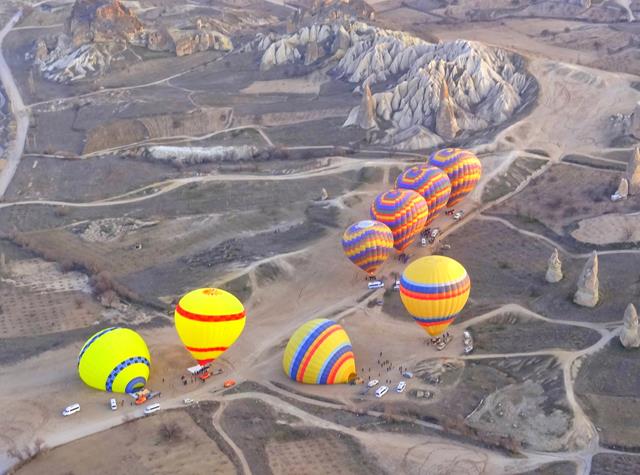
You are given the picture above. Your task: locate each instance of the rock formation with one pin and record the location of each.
(486, 86)
(102, 21)
(97, 29)
(623, 189)
(629, 334)
(635, 122)
(446, 124)
(587, 293)
(633, 172)
(364, 116)
(554, 268)
(312, 54)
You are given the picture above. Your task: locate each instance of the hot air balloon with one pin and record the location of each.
(367, 244)
(434, 289)
(404, 212)
(432, 183)
(463, 168)
(319, 352)
(116, 360)
(208, 322)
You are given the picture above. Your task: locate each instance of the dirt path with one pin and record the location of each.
(21, 114)
(215, 422)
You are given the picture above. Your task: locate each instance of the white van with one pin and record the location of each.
(382, 390)
(151, 408)
(72, 409)
(114, 404)
(376, 284)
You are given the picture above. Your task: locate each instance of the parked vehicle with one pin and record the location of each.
(372, 383)
(408, 374)
(382, 390)
(229, 383)
(458, 215)
(114, 404)
(151, 408)
(401, 386)
(376, 284)
(72, 409)
(188, 401)
(434, 233)
(423, 242)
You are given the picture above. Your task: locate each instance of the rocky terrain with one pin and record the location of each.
(413, 106)
(100, 32)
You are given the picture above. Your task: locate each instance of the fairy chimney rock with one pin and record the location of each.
(629, 336)
(633, 172)
(446, 123)
(587, 293)
(554, 268)
(635, 121)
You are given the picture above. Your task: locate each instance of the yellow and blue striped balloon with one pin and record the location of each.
(319, 352)
(463, 168)
(116, 360)
(433, 185)
(404, 212)
(434, 289)
(368, 244)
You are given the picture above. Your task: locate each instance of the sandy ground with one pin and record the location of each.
(139, 447)
(304, 85)
(318, 282)
(608, 229)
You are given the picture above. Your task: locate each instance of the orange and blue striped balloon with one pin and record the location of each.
(208, 322)
(434, 289)
(463, 168)
(404, 212)
(431, 182)
(368, 244)
(319, 352)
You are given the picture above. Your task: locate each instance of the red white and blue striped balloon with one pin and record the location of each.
(431, 182)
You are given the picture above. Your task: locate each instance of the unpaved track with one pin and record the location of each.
(20, 113)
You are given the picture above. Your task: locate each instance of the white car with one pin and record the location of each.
(382, 390)
(72, 409)
(376, 284)
(423, 241)
(372, 383)
(188, 401)
(151, 408)
(113, 404)
(401, 387)
(396, 285)
(434, 233)
(458, 215)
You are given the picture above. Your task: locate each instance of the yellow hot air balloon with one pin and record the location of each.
(319, 352)
(434, 289)
(208, 322)
(115, 360)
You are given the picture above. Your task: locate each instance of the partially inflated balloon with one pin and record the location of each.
(208, 322)
(434, 289)
(463, 168)
(432, 183)
(368, 244)
(404, 212)
(319, 352)
(115, 360)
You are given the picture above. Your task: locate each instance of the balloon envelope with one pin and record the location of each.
(434, 289)
(208, 322)
(463, 168)
(319, 352)
(404, 212)
(431, 182)
(368, 244)
(116, 360)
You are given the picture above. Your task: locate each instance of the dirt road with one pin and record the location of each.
(16, 147)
